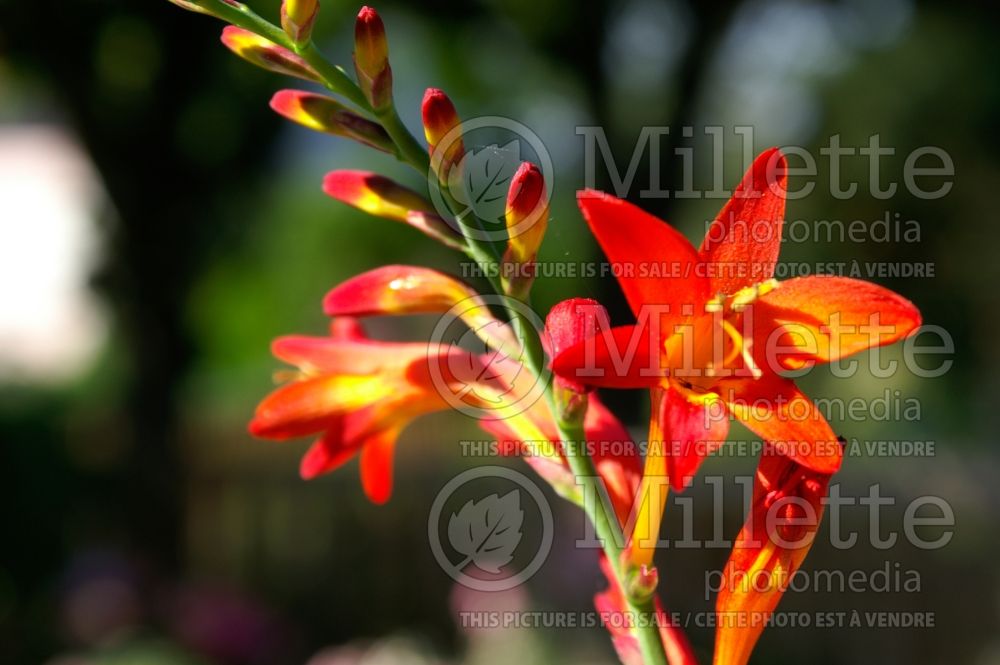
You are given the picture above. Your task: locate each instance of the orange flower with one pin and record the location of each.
(715, 330)
(358, 394)
(778, 533)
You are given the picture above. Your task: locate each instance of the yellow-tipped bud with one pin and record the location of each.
(441, 125)
(527, 218)
(298, 17)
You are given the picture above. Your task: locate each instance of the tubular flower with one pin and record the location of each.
(781, 526)
(358, 394)
(715, 329)
(397, 289)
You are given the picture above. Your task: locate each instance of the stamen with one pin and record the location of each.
(748, 295)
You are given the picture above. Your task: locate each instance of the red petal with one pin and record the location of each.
(826, 318)
(345, 356)
(742, 244)
(655, 264)
(774, 409)
(376, 465)
(326, 454)
(692, 431)
(622, 357)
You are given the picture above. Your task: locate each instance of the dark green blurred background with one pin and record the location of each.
(141, 524)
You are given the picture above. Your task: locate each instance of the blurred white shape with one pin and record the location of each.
(51, 323)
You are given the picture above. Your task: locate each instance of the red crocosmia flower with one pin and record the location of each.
(358, 394)
(715, 329)
(616, 615)
(778, 533)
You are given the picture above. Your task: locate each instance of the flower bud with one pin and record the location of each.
(266, 54)
(198, 6)
(298, 17)
(323, 114)
(567, 324)
(371, 59)
(527, 217)
(382, 197)
(442, 129)
(641, 582)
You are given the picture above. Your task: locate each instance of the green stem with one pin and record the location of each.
(334, 78)
(609, 532)
(410, 150)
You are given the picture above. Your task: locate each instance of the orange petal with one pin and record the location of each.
(330, 355)
(774, 409)
(376, 465)
(654, 264)
(742, 244)
(823, 318)
(325, 455)
(692, 430)
(780, 528)
(307, 407)
(400, 289)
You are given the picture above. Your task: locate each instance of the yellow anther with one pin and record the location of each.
(748, 295)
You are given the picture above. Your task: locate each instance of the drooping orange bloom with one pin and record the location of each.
(786, 510)
(358, 394)
(715, 331)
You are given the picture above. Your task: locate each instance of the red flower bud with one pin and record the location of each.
(325, 114)
(569, 323)
(527, 218)
(266, 54)
(371, 58)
